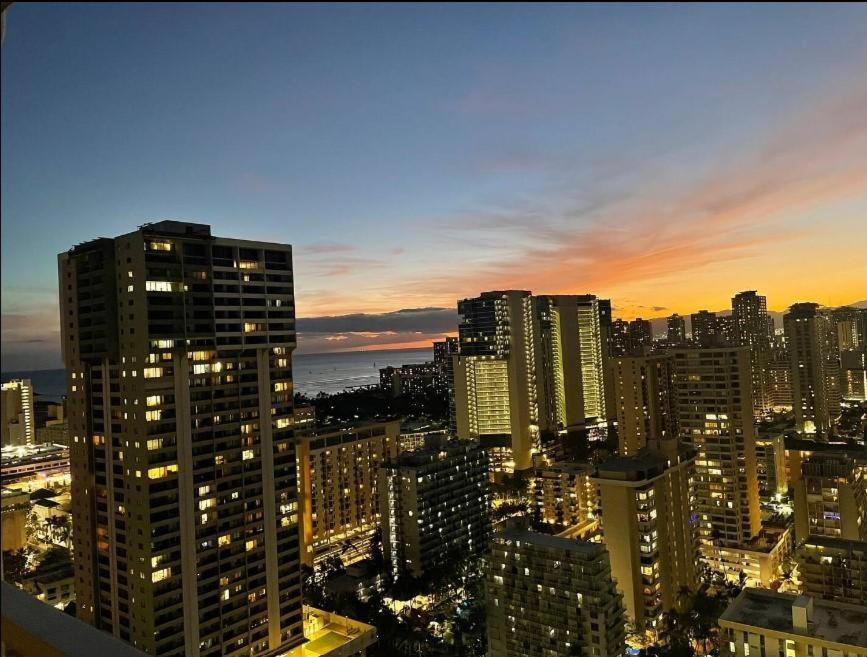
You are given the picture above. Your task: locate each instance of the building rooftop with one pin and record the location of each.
(646, 464)
(31, 627)
(550, 541)
(426, 456)
(835, 543)
(831, 621)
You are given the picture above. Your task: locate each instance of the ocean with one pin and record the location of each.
(313, 373)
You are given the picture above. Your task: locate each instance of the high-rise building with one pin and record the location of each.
(444, 356)
(178, 349)
(496, 393)
(560, 372)
(552, 596)
(337, 477)
(814, 363)
(594, 326)
(644, 398)
(676, 330)
(704, 326)
(759, 620)
(640, 335)
(780, 375)
(852, 341)
(18, 413)
(830, 497)
(713, 389)
(771, 466)
(619, 340)
(750, 317)
(833, 569)
(433, 503)
(565, 496)
(648, 528)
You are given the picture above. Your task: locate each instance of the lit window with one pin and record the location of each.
(153, 372)
(154, 400)
(162, 471)
(247, 454)
(160, 575)
(159, 246)
(225, 539)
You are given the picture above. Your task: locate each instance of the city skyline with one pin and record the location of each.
(546, 156)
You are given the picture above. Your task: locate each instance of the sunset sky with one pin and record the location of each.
(665, 157)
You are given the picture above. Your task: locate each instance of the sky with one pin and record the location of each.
(665, 157)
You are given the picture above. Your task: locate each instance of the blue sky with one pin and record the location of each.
(416, 154)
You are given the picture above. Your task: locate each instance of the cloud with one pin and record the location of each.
(566, 239)
(426, 320)
(322, 248)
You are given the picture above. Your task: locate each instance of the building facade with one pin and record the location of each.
(496, 388)
(648, 527)
(830, 497)
(565, 496)
(553, 596)
(645, 401)
(750, 320)
(833, 569)
(18, 413)
(713, 388)
(761, 622)
(815, 369)
(178, 348)
(338, 494)
(433, 503)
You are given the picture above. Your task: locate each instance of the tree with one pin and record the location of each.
(15, 564)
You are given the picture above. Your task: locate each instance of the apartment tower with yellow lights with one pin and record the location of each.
(178, 346)
(713, 390)
(496, 388)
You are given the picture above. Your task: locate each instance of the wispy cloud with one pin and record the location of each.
(560, 243)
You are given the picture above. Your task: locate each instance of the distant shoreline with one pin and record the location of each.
(14, 373)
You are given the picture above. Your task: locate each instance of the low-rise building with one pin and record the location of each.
(14, 511)
(758, 560)
(433, 503)
(761, 622)
(331, 635)
(552, 596)
(833, 569)
(35, 465)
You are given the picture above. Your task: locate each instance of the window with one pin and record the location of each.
(162, 471)
(159, 246)
(160, 575)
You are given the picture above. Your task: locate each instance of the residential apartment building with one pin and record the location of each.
(815, 368)
(676, 326)
(713, 388)
(560, 372)
(18, 413)
(496, 387)
(762, 622)
(645, 401)
(648, 527)
(338, 494)
(831, 498)
(771, 466)
(750, 321)
(178, 346)
(833, 569)
(433, 503)
(552, 596)
(565, 496)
